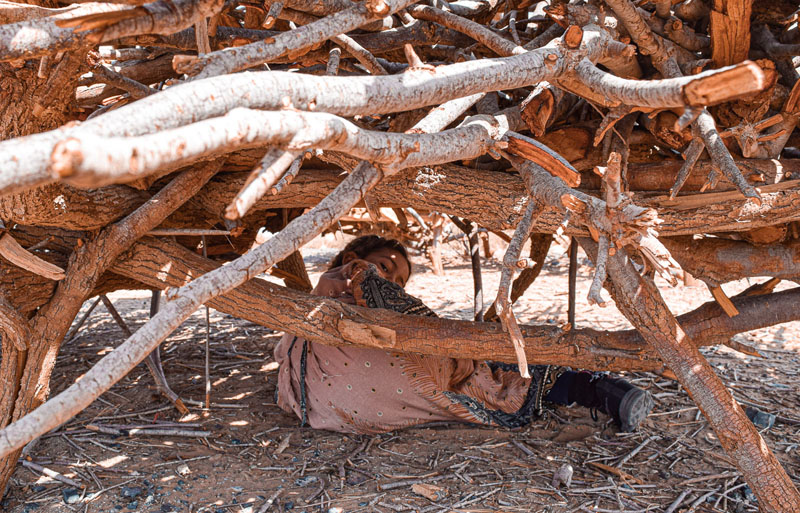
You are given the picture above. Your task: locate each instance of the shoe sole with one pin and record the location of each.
(634, 408)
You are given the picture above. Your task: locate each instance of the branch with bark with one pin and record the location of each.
(95, 23)
(27, 164)
(165, 264)
(423, 117)
(253, 54)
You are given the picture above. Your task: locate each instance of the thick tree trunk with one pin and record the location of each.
(447, 188)
(496, 204)
(161, 264)
(718, 261)
(63, 206)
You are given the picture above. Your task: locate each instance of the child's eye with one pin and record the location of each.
(385, 269)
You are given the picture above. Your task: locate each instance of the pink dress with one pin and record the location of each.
(365, 390)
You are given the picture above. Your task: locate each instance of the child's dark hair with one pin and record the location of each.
(366, 244)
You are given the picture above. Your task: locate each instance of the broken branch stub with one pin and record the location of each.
(17, 255)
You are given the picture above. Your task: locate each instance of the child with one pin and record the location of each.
(368, 390)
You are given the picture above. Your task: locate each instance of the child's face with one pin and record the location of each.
(391, 265)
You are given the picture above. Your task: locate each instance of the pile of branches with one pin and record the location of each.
(146, 144)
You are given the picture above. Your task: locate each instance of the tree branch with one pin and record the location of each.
(185, 301)
(253, 54)
(90, 161)
(97, 23)
(450, 189)
(503, 301)
(14, 328)
(476, 31)
(361, 54)
(704, 89)
(639, 300)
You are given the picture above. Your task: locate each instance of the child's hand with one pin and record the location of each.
(336, 283)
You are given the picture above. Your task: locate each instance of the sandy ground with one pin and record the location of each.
(251, 450)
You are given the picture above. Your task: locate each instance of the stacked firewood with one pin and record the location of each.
(146, 144)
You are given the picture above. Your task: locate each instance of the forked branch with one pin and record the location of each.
(503, 301)
(185, 301)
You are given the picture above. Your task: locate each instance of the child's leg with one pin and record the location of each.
(627, 404)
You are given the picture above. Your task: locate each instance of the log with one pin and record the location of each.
(161, 264)
(63, 206)
(730, 31)
(429, 188)
(497, 204)
(717, 261)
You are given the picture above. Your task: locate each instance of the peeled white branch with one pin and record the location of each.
(25, 161)
(444, 114)
(706, 88)
(39, 36)
(722, 157)
(91, 160)
(262, 179)
(288, 176)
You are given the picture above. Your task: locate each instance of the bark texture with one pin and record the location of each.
(639, 299)
(341, 104)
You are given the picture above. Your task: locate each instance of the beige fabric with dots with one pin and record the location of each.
(363, 390)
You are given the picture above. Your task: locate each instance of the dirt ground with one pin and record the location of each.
(250, 456)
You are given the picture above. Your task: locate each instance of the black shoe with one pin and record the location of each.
(627, 404)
